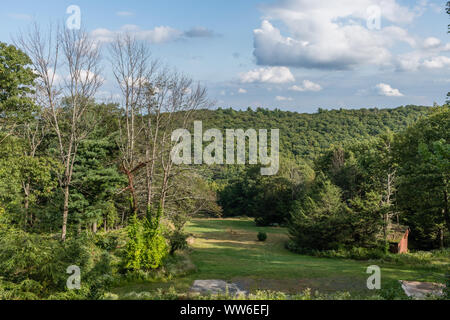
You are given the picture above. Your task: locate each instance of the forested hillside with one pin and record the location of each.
(309, 135)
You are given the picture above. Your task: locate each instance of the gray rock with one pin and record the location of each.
(216, 287)
(420, 290)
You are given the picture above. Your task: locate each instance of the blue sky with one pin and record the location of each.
(296, 55)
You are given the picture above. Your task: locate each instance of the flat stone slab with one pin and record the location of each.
(420, 290)
(216, 287)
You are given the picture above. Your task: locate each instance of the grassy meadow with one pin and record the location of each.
(228, 249)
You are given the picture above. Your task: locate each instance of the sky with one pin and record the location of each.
(296, 55)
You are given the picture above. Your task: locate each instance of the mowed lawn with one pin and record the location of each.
(227, 249)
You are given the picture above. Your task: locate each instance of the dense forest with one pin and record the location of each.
(310, 135)
(92, 184)
(358, 182)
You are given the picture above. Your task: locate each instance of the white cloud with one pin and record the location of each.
(157, 35)
(429, 55)
(57, 79)
(275, 75)
(437, 62)
(89, 76)
(281, 98)
(431, 42)
(329, 34)
(242, 91)
(306, 86)
(384, 89)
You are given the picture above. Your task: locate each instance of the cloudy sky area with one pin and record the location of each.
(296, 55)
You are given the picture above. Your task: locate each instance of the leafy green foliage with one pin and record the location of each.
(178, 241)
(309, 135)
(262, 236)
(319, 221)
(34, 266)
(95, 182)
(16, 83)
(146, 247)
(18, 171)
(422, 153)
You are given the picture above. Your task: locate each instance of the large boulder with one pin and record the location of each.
(420, 290)
(216, 287)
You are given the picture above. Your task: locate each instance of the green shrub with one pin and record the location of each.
(107, 241)
(35, 266)
(262, 236)
(146, 247)
(177, 241)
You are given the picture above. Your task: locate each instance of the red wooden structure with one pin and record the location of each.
(398, 238)
(403, 244)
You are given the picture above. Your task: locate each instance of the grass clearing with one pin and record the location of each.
(228, 249)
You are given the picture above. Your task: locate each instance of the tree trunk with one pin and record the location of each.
(385, 226)
(149, 179)
(65, 213)
(134, 206)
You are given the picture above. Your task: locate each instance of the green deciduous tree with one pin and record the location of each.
(423, 159)
(146, 246)
(16, 88)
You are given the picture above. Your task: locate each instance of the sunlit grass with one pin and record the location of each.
(228, 249)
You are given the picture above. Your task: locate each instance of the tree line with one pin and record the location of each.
(354, 192)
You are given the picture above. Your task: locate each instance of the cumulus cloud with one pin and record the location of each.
(430, 54)
(242, 90)
(306, 86)
(329, 35)
(384, 89)
(431, 42)
(86, 75)
(437, 62)
(281, 98)
(276, 75)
